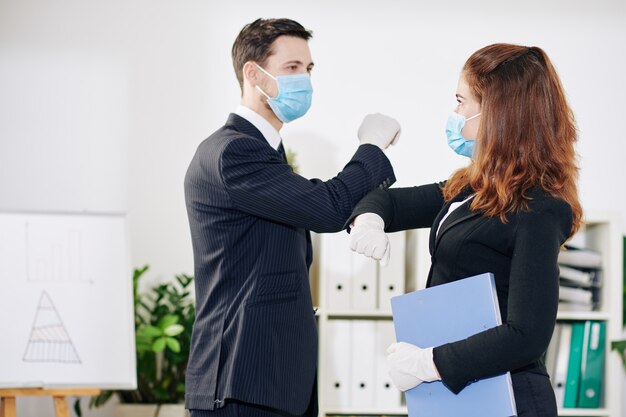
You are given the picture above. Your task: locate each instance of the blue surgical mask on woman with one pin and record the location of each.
(456, 141)
(294, 96)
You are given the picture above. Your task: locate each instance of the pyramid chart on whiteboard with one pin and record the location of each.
(49, 340)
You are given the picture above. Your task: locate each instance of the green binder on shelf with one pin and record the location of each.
(572, 383)
(592, 365)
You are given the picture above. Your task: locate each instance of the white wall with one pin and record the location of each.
(102, 104)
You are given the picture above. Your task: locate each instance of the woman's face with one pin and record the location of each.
(467, 106)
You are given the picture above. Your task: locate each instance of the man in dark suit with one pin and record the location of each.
(254, 344)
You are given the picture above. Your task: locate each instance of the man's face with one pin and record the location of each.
(291, 55)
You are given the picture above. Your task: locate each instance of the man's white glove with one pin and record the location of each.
(379, 130)
(410, 365)
(368, 237)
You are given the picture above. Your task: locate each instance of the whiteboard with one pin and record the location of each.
(66, 305)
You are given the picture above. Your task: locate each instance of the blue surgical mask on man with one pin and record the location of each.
(456, 141)
(294, 96)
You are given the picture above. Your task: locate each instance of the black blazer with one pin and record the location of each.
(521, 253)
(255, 337)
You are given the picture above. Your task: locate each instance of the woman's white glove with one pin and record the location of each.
(410, 365)
(368, 237)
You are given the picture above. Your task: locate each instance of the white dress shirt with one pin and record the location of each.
(267, 130)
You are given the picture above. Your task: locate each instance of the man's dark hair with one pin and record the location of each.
(255, 40)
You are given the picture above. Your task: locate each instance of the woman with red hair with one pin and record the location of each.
(508, 212)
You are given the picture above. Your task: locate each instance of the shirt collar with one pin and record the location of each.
(270, 134)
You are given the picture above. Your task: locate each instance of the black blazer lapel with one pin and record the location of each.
(459, 215)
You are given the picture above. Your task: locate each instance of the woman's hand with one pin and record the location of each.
(410, 365)
(368, 237)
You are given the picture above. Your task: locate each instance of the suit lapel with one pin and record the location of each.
(460, 214)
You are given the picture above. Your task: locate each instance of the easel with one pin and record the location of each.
(59, 396)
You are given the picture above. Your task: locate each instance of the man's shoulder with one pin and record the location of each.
(219, 140)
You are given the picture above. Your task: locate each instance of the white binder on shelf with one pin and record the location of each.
(559, 379)
(386, 395)
(363, 348)
(337, 365)
(364, 278)
(337, 270)
(391, 278)
(553, 351)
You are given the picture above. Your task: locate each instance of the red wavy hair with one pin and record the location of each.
(526, 135)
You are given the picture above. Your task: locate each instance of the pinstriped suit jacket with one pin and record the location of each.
(255, 337)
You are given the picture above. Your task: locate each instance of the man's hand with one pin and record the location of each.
(380, 130)
(368, 237)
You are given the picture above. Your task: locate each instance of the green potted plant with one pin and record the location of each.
(164, 317)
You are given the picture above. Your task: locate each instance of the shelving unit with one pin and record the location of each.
(602, 232)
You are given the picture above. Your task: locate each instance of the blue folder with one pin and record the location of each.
(447, 313)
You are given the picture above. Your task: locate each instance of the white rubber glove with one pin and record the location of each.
(368, 237)
(379, 130)
(410, 365)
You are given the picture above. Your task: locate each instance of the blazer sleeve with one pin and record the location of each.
(532, 304)
(402, 208)
(260, 183)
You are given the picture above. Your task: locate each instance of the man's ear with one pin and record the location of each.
(251, 73)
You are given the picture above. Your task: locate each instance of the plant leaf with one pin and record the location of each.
(173, 344)
(620, 347)
(150, 331)
(173, 330)
(77, 409)
(159, 344)
(101, 399)
(167, 321)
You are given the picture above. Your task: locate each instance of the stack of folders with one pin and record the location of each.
(354, 366)
(355, 282)
(575, 362)
(580, 279)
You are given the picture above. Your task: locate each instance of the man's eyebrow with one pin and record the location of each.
(295, 61)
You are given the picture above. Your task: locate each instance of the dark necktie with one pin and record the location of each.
(281, 151)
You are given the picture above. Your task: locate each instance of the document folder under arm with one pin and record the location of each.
(425, 318)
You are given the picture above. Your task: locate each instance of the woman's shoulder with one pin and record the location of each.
(544, 208)
(541, 200)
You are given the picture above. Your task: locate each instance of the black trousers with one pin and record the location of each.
(534, 395)
(234, 408)
(240, 409)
